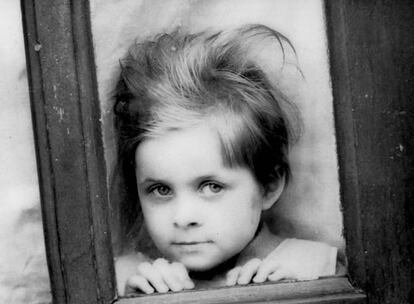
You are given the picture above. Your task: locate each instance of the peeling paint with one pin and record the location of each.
(54, 91)
(60, 111)
(37, 47)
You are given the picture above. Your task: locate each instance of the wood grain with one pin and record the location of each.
(372, 66)
(330, 290)
(69, 148)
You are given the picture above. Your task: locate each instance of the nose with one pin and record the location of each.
(187, 214)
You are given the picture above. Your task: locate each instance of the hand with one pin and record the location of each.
(159, 276)
(293, 260)
(243, 275)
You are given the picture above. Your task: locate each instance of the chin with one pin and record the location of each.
(198, 265)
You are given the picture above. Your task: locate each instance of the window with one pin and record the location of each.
(374, 168)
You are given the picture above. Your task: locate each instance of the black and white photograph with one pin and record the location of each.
(193, 151)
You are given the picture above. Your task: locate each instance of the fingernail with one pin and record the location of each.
(189, 284)
(163, 289)
(257, 279)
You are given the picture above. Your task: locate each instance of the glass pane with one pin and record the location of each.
(309, 207)
(23, 270)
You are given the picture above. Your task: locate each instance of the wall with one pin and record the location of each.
(23, 269)
(310, 206)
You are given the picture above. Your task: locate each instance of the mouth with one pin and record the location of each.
(191, 247)
(190, 243)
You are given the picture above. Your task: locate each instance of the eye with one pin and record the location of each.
(210, 188)
(160, 190)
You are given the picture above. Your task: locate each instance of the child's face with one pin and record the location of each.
(197, 211)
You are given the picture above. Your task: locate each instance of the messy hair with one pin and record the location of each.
(177, 80)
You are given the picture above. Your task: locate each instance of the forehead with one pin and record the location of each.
(180, 150)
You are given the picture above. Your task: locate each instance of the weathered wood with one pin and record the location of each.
(71, 166)
(372, 66)
(371, 47)
(330, 290)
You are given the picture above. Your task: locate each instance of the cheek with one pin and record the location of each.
(242, 217)
(251, 204)
(252, 213)
(156, 221)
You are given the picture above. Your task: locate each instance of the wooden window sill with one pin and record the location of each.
(326, 290)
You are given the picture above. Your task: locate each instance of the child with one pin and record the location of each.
(203, 143)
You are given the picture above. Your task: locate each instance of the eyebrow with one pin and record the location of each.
(207, 177)
(152, 181)
(149, 180)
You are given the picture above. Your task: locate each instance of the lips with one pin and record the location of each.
(191, 247)
(190, 243)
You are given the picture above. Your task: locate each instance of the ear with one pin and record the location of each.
(273, 193)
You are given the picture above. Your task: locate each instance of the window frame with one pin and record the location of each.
(72, 174)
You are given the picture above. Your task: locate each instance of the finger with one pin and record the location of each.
(248, 270)
(182, 274)
(168, 274)
(232, 276)
(137, 282)
(278, 275)
(265, 269)
(149, 272)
